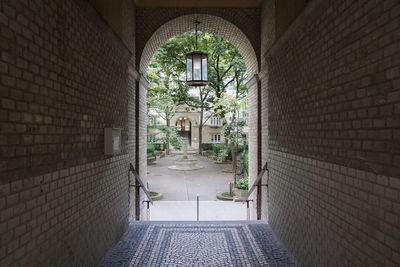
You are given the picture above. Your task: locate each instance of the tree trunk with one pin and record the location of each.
(201, 131)
(234, 161)
(234, 146)
(167, 144)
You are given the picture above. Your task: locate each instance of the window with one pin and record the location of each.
(245, 117)
(215, 138)
(215, 121)
(151, 121)
(151, 138)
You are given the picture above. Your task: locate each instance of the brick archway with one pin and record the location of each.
(246, 46)
(209, 23)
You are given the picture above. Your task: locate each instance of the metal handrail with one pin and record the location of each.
(256, 182)
(141, 185)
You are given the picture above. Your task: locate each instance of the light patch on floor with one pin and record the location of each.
(187, 211)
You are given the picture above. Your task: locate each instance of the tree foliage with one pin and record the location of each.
(167, 73)
(171, 136)
(168, 66)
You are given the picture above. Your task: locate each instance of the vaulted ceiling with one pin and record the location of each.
(198, 3)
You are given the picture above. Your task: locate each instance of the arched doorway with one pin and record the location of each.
(228, 30)
(184, 128)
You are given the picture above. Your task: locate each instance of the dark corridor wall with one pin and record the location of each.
(64, 77)
(331, 131)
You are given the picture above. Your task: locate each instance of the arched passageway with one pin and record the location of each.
(247, 49)
(327, 113)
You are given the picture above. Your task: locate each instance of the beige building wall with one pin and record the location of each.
(194, 118)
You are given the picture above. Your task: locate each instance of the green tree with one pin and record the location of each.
(203, 101)
(232, 104)
(162, 96)
(170, 136)
(225, 67)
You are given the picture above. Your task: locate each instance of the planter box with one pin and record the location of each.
(240, 193)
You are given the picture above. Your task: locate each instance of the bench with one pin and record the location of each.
(160, 154)
(151, 158)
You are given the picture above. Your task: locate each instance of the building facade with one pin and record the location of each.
(187, 120)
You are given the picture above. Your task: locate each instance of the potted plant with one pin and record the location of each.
(241, 188)
(221, 156)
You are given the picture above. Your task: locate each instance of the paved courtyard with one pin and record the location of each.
(185, 185)
(180, 189)
(198, 244)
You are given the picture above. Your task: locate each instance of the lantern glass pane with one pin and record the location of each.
(189, 72)
(204, 66)
(197, 67)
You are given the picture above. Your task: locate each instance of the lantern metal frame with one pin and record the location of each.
(200, 56)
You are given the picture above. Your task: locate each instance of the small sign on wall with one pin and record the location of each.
(112, 141)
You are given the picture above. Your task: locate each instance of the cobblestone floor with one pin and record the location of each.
(198, 244)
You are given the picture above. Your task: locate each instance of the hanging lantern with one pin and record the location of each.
(196, 66)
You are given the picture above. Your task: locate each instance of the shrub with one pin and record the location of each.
(217, 150)
(150, 149)
(240, 148)
(246, 160)
(229, 152)
(207, 146)
(243, 148)
(222, 155)
(217, 147)
(243, 184)
(157, 146)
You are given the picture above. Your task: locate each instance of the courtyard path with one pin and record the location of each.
(185, 185)
(180, 189)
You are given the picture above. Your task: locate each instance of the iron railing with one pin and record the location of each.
(257, 184)
(138, 184)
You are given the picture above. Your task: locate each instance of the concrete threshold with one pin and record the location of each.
(187, 211)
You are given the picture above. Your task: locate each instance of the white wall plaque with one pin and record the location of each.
(112, 141)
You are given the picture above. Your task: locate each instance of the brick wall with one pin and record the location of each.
(286, 12)
(64, 76)
(268, 38)
(264, 143)
(142, 157)
(157, 25)
(330, 112)
(253, 139)
(268, 25)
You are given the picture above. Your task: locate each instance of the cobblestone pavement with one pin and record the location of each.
(198, 244)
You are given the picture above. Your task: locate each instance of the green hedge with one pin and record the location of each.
(246, 160)
(157, 146)
(150, 149)
(216, 148)
(207, 146)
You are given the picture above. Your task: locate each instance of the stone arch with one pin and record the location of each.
(209, 23)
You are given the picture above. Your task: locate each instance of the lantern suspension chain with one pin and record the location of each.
(196, 23)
